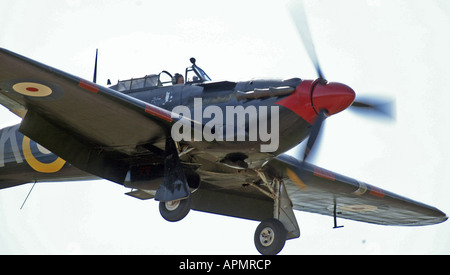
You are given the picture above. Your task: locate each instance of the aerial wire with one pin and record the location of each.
(28, 194)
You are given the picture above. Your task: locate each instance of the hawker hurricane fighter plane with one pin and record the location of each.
(212, 146)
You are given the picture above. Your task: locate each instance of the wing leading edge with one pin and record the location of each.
(90, 126)
(354, 200)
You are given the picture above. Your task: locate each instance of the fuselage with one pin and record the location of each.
(228, 123)
(236, 124)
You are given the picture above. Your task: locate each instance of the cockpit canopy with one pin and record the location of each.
(194, 74)
(137, 83)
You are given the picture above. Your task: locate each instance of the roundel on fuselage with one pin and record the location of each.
(44, 161)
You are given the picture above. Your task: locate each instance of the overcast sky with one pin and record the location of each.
(388, 48)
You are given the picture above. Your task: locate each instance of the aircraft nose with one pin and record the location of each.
(333, 97)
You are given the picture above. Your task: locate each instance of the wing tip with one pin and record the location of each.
(444, 218)
(437, 219)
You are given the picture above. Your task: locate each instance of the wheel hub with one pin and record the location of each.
(267, 236)
(172, 205)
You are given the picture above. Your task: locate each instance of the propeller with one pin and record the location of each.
(315, 131)
(298, 15)
(314, 136)
(368, 106)
(376, 107)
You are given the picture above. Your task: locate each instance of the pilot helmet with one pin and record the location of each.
(176, 77)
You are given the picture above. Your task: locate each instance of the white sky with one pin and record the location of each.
(389, 48)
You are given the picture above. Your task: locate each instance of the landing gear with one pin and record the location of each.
(175, 210)
(270, 237)
(173, 193)
(271, 234)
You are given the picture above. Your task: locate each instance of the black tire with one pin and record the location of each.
(174, 211)
(270, 237)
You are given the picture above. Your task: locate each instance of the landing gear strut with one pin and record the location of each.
(271, 234)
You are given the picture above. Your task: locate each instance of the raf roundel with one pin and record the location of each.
(32, 89)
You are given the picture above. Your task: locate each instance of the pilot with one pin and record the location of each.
(178, 79)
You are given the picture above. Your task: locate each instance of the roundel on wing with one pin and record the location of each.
(39, 158)
(33, 89)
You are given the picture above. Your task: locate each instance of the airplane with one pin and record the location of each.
(211, 146)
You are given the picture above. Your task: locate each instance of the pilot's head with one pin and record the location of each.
(178, 79)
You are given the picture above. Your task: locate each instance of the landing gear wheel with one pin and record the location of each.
(270, 237)
(174, 211)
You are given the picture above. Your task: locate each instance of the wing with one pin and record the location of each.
(92, 127)
(354, 200)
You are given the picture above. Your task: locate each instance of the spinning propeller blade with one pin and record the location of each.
(298, 15)
(378, 107)
(315, 130)
(314, 136)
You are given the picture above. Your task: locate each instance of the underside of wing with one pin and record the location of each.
(323, 191)
(92, 127)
